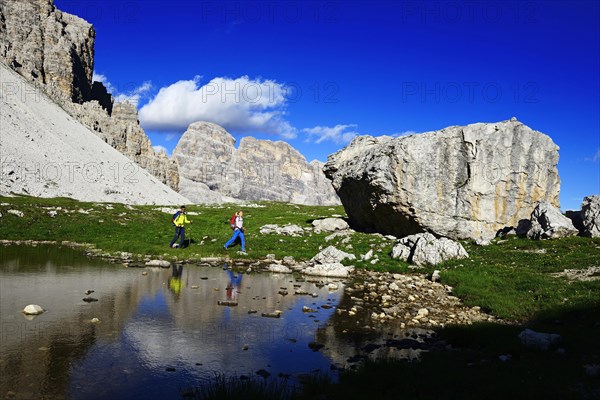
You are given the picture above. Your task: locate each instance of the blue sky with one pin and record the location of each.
(315, 73)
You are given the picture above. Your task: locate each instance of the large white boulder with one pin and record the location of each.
(462, 182)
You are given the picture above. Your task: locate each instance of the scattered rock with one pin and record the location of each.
(89, 299)
(263, 373)
(331, 255)
(282, 269)
(339, 234)
(17, 213)
(332, 287)
(287, 230)
(274, 314)
(547, 222)
(33, 309)
(88, 292)
(425, 249)
(333, 270)
(95, 321)
(314, 346)
(306, 309)
(158, 263)
(590, 215)
(227, 303)
(539, 340)
(435, 276)
(587, 274)
(330, 224)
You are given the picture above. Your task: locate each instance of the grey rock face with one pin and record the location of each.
(48, 47)
(257, 170)
(547, 222)
(55, 50)
(463, 182)
(590, 213)
(425, 249)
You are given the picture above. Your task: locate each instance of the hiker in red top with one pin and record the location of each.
(238, 231)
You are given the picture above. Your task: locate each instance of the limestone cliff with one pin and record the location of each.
(55, 50)
(257, 170)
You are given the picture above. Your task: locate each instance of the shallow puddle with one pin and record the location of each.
(159, 330)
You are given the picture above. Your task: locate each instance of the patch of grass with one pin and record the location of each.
(512, 279)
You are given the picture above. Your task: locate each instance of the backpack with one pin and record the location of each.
(175, 216)
(232, 222)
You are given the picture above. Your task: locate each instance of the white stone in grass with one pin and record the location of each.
(17, 213)
(539, 340)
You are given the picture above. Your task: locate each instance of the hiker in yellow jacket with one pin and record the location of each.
(179, 220)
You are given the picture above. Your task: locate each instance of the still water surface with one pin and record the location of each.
(157, 333)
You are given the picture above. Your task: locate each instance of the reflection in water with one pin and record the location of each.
(157, 333)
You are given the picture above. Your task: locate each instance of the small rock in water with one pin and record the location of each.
(144, 273)
(88, 292)
(308, 309)
(314, 346)
(252, 311)
(245, 347)
(89, 299)
(33, 309)
(275, 314)
(94, 320)
(264, 373)
(170, 369)
(195, 286)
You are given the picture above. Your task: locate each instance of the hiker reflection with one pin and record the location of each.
(232, 287)
(175, 282)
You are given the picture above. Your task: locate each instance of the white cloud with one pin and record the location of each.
(133, 96)
(594, 158)
(339, 134)
(242, 105)
(160, 149)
